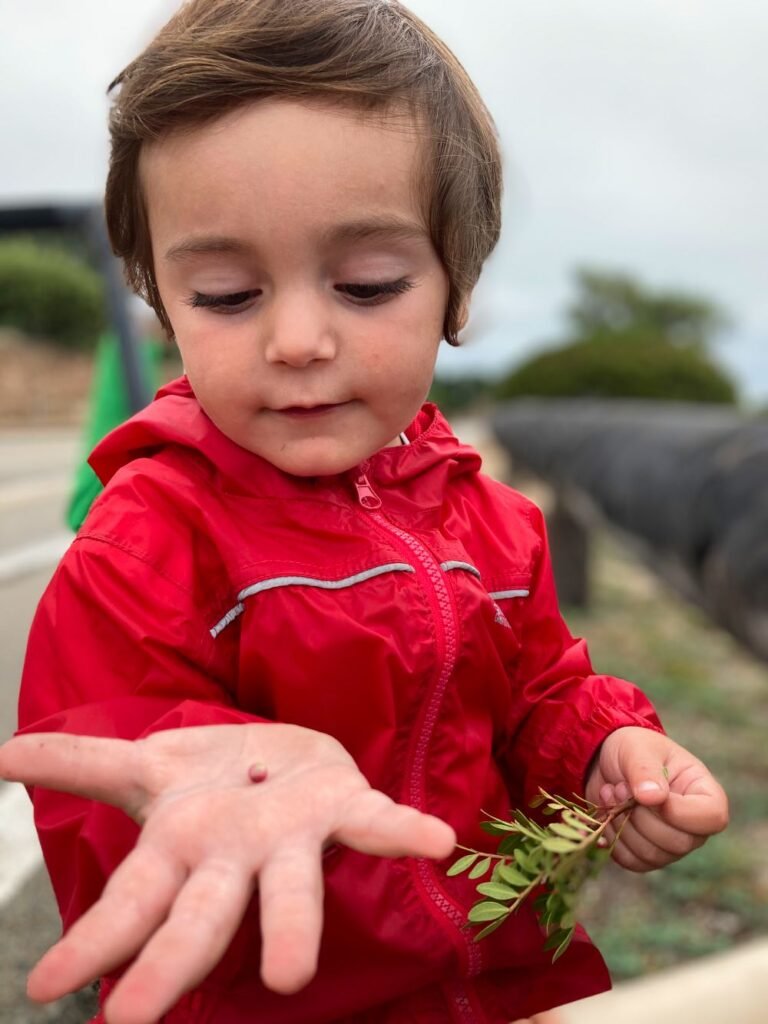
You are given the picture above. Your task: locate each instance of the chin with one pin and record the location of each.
(323, 464)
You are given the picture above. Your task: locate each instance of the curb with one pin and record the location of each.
(727, 987)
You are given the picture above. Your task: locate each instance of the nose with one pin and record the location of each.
(298, 331)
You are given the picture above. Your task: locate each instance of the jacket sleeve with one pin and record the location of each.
(116, 649)
(561, 710)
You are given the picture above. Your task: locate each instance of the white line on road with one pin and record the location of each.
(40, 555)
(20, 854)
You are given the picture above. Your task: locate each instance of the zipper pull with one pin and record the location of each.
(366, 495)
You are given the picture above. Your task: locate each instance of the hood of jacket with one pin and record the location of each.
(420, 470)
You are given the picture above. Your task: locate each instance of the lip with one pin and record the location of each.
(307, 411)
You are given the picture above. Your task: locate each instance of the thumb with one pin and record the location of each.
(647, 780)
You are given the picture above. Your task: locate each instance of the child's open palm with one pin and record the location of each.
(209, 833)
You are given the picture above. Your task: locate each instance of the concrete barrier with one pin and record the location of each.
(729, 988)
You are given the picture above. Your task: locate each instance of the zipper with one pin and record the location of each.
(447, 640)
(366, 495)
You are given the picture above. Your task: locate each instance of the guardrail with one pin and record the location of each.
(686, 483)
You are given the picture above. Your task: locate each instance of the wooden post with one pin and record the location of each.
(569, 541)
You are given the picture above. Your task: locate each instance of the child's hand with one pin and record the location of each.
(681, 802)
(208, 833)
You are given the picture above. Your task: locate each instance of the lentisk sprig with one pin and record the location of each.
(556, 859)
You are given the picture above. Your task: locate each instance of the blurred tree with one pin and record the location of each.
(620, 306)
(599, 368)
(624, 340)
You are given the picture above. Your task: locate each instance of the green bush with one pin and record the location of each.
(46, 292)
(610, 368)
(458, 394)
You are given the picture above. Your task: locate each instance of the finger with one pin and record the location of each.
(654, 842)
(645, 781)
(291, 906)
(375, 824)
(650, 827)
(186, 948)
(620, 853)
(702, 810)
(626, 859)
(89, 766)
(622, 792)
(608, 795)
(134, 903)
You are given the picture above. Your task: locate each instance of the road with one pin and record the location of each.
(36, 471)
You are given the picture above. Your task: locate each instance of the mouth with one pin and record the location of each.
(307, 411)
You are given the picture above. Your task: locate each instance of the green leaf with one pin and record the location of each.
(510, 843)
(490, 928)
(579, 818)
(540, 903)
(481, 868)
(567, 831)
(497, 891)
(563, 945)
(554, 939)
(558, 845)
(525, 862)
(513, 877)
(462, 864)
(487, 911)
(498, 828)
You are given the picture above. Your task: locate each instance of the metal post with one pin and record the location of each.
(117, 301)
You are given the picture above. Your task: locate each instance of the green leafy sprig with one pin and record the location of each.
(556, 859)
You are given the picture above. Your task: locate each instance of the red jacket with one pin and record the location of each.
(408, 609)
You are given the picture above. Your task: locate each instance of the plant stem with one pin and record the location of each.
(605, 816)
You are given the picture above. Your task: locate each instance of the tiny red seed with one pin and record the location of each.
(257, 772)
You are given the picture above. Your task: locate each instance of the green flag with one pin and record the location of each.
(108, 409)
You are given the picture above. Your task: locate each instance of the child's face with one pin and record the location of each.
(305, 359)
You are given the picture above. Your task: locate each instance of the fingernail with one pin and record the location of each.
(648, 787)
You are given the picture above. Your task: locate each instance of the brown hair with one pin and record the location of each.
(216, 55)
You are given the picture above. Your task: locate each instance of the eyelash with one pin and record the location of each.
(376, 294)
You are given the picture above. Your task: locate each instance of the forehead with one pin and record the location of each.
(285, 166)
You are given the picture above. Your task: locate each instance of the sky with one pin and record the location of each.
(634, 137)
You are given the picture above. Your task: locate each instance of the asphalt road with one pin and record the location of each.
(36, 471)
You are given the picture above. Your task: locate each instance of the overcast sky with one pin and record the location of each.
(634, 134)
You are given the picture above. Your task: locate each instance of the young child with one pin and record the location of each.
(301, 643)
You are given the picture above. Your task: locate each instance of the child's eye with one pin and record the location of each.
(364, 294)
(222, 303)
(373, 294)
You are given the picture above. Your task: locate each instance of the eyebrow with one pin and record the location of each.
(376, 229)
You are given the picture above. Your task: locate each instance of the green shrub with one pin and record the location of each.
(46, 292)
(458, 394)
(608, 367)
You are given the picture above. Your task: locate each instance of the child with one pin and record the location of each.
(329, 634)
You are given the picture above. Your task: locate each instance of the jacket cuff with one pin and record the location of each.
(583, 743)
